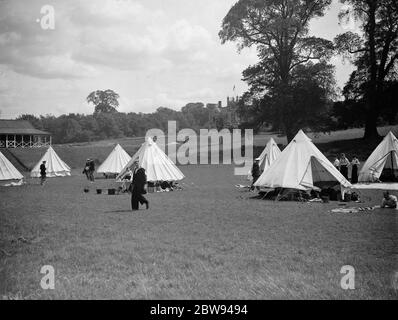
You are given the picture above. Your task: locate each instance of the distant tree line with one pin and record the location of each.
(106, 123)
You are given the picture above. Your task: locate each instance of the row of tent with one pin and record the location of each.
(55, 167)
(301, 165)
(157, 164)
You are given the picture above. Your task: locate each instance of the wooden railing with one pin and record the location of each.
(15, 144)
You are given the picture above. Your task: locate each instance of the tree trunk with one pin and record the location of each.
(372, 92)
(371, 119)
(371, 132)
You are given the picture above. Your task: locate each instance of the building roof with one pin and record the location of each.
(19, 127)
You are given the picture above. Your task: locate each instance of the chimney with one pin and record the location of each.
(220, 104)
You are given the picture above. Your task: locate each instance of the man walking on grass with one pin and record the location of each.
(43, 173)
(137, 187)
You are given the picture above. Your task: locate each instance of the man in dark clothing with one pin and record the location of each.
(43, 173)
(256, 172)
(86, 169)
(92, 170)
(138, 187)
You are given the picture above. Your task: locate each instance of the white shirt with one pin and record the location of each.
(390, 202)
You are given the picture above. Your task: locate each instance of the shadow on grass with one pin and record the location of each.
(120, 211)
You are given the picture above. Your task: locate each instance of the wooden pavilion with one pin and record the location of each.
(22, 134)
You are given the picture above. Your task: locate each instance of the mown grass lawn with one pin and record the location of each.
(208, 241)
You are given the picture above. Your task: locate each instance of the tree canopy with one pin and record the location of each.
(280, 31)
(374, 52)
(104, 101)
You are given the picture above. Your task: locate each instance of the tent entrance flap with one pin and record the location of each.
(389, 172)
(317, 175)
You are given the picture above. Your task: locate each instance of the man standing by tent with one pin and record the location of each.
(344, 163)
(91, 170)
(138, 187)
(43, 173)
(86, 169)
(256, 172)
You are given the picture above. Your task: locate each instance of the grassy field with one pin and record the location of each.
(210, 240)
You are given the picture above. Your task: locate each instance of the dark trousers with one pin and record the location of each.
(253, 182)
(354, 174)
(136, 199)
(344, 171)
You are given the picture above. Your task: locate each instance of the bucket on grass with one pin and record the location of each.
(86, 190)
(111, 191)
(99, 191)
(325, 199)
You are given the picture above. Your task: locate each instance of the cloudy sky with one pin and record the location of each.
(152, 52)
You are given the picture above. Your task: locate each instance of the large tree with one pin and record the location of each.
(279, 30)
(374, 52)
(104, 101)
(309, 95)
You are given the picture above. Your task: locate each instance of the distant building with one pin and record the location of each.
(230, 111)
(22, 134)
(226, 116)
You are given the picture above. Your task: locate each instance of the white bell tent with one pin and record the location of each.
(270, 153)
(157, 164)
(115, 162)
(385, 156)
(55, 167)
(301, 166)
(9, 175)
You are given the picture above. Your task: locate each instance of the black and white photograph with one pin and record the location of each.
(198, 156)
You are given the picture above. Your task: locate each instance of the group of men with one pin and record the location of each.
(342, 164)
(136, 179)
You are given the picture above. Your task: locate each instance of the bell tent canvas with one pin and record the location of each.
(384, 157)
(301, 166)
(8, 173)
(54, 165)
(115, 162)
(157, 164)
(270, 153)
